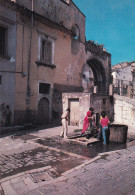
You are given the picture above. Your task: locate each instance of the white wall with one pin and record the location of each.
(124, 112)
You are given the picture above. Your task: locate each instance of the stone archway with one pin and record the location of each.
(96, 76)
(43, 111)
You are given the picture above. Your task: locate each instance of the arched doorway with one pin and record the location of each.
(94, 75)
(43, 111)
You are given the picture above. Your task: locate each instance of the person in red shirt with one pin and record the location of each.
(104, 123)
(87, 120)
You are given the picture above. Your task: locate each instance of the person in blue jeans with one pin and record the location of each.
(104, 123)
(99, 137)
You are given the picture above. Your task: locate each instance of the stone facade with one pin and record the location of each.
(124, 79)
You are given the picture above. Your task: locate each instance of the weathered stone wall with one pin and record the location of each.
(102, 102)
(65, 14)
(84, 103)
(87, 100)
(124, 112)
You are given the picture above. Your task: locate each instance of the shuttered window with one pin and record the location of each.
(2, 40)
(46, 51)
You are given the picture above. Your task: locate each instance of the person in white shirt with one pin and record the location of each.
(65, 117)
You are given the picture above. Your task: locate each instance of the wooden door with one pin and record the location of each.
(74, 112)
(43, 111)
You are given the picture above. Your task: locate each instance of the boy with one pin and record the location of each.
(104, 123)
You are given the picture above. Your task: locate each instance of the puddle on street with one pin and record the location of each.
(37, 158)
(90, 151)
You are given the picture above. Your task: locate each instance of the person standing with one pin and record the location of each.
(87, 119)
(104, 123)
(99, 137)
(65, 117)
(3, 110)
(8, 115)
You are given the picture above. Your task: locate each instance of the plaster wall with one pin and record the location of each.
(64, 77)
(7, 68)
(124, 112)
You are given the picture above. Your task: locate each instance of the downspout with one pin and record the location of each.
(29, 59)
(28, 94)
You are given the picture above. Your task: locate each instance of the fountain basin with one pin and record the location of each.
(118, 132)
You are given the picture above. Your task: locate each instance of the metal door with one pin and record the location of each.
(74, 112)
(43, 111)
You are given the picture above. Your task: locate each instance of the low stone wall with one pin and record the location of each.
(124, 112)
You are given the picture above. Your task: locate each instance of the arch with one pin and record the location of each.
(43, 111)
(99, 76)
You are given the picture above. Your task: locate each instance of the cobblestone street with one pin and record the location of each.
(41, 162)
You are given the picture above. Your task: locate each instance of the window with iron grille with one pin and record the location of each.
(2, 40)
(46, 50)
(0, 79)
(44, 88)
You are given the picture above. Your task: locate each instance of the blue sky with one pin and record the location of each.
(111, 23)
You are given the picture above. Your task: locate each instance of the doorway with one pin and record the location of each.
(43, 111)
(74, 111)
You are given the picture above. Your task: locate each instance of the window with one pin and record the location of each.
(76, 32)
(46, 50)
(2, 40)
(44, 88)
(0, 79)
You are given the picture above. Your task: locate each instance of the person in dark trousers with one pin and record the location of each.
(8, 115)
(87, 119)
(104, 123)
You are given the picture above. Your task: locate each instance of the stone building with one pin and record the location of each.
(124, 79)
(46, 55)
(124, 94)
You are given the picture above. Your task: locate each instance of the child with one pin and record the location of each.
(65, 117)
(99, 137)
(104, 123)
(87, 120)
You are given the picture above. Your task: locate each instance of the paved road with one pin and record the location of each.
(30, 168)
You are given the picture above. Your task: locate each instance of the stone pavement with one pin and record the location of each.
(107, 174)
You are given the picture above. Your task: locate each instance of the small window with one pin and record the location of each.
(76, 32)
(2, 40)
(46, 50)
(0, 79)
(44, 88)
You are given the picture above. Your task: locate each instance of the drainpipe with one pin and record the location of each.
(29, 58)
(28, 95)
